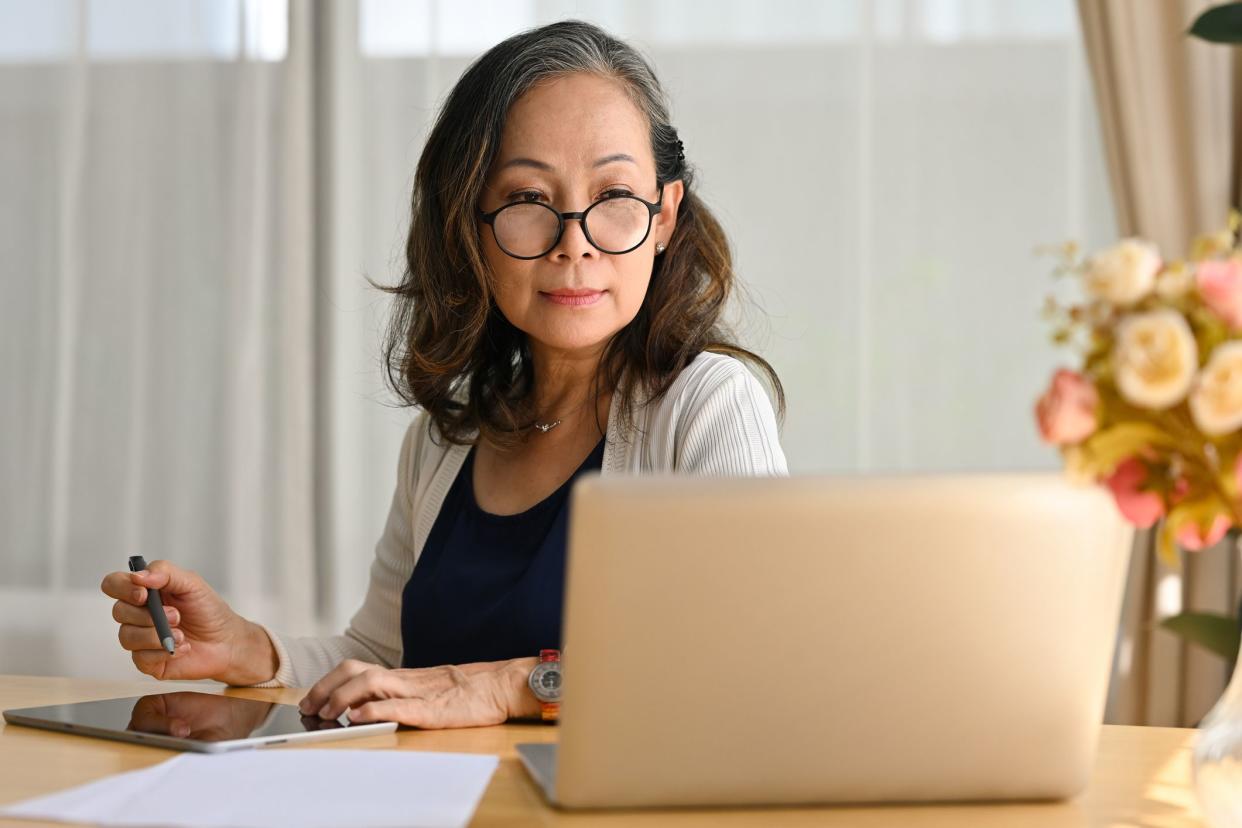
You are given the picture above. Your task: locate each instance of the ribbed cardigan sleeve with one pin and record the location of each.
(728, 427)
(374, 632)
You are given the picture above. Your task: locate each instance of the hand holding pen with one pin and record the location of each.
(177, 627)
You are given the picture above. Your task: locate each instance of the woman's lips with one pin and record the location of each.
(573, 297)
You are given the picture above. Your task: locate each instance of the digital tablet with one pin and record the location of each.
(212, 723)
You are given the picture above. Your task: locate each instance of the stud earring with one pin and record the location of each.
(659, 248)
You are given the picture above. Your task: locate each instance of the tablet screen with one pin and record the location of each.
(205, 717)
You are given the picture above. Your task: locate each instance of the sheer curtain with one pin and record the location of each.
(201, 351)
(158, 314)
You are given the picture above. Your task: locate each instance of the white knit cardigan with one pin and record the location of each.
(716, 419)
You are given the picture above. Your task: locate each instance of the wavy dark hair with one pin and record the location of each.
(448, 348)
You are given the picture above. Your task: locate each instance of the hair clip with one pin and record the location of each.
(681, 154)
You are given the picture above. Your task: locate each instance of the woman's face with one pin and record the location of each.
(567, 144)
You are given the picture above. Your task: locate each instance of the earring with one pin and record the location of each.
(659, 248)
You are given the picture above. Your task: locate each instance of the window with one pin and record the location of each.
(123, 30)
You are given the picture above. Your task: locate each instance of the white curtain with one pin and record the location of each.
(196, 388)
(158, 316)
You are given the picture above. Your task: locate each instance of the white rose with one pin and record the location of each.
(1123, 274)
(1216, 400)
(1155, 358)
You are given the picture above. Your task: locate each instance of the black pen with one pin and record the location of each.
(156, 605)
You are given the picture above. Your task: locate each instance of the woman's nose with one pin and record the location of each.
(573, 243)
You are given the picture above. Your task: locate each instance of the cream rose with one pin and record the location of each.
(1124, 273)
(1174, 282)
(1155, 358)
(1216, 398)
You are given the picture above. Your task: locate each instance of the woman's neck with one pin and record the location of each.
(564, 381)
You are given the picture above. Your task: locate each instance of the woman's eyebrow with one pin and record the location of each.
(540, 165)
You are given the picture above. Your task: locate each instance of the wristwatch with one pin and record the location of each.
(545, 683)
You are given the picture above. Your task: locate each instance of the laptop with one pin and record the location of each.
(833, 640)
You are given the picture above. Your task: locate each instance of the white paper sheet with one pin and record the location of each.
(279, 787)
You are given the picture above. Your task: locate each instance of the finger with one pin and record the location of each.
(124, 613)
(157, 662)
(317, 696)
(412, 712)
(374, 683)
(364, 686)
(134, 637)
(426, 714)
(123, 587)
(163, 575)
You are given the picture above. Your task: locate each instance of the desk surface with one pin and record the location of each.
(1142, 775)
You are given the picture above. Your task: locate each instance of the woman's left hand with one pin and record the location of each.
(465, 695)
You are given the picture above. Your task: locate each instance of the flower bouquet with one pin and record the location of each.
(1154, 410)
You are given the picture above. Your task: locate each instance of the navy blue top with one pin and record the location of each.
(488, 587)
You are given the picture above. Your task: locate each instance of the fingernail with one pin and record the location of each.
(172, 615)
(323, 712)
(138, 595)
(302, 706)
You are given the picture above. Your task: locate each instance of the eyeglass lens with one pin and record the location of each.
(616, 225)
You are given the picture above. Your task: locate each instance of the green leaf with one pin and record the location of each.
(1107, 448)
(1219, 24)
(1216, 633)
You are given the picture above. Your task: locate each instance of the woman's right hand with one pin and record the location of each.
(212, 641)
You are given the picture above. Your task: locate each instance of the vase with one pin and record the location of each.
(1217, 758)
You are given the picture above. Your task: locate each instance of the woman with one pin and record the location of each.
(559, 314)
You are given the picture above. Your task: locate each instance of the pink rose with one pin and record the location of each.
(1066, 411)
(1220, 285)
(1191, 538)
(1141, 508)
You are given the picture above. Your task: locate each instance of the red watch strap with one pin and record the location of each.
(549, 711)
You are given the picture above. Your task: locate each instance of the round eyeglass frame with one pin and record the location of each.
(653, 208)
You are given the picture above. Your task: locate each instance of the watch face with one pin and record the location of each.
(545, 681)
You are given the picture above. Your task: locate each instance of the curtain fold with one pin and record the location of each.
(1169, 122)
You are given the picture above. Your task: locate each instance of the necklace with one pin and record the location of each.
(546, 427)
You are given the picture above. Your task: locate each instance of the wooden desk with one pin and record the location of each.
(1142, 775)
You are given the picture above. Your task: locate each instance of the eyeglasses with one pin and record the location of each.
(613, 225)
